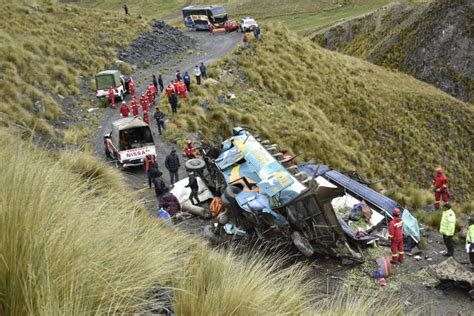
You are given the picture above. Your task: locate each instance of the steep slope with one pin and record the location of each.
(432, 42)
(338, 109)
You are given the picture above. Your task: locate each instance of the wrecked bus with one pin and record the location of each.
(266, 199)
(269, 197)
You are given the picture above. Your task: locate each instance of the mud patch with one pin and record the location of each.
(156, 46)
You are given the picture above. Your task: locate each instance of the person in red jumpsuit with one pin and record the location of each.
(395, 234)
(146, 118)
(169, 90)
(111, 98)
(134, 106)
(150, 97)
(124, 110)
(440, 187)
(144, 102)
(152, 89)
(131, 87)
(182, 89)
(189, 151)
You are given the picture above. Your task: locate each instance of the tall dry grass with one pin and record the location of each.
(76, 241)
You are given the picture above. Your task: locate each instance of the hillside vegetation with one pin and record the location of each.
(431, 42)
(298, 15)
(45, 50)
(337, 109)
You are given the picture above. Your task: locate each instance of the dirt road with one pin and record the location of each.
(208, 49)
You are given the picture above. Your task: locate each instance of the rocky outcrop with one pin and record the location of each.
(434, 42)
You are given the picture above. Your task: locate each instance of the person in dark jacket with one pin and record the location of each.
(125, 8)
(193, 185)
(160, 119)
(155, 82)
(187, 81)
(160, 83)
(203, 69)
(172, 164)
(174, 103)
(151, 168)
(178, 75)
(160, 186)
(169, 199)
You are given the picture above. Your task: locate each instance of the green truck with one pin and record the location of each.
(111, 79)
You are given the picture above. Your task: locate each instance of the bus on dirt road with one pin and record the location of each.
(197, 17)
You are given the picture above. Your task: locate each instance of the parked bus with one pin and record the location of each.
(198, 17)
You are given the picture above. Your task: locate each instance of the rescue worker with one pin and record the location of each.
(124, 110)
(131, 87)
(470, 241)
(182, 90)
(187, 80)
(159, 184)
(134, 106)
(169, 90)
(440, 187)
(151, 168)
(447, 227)
(173, 165)
(193, 185)
(111, 98)
(160, 119)
(197, 73)
(395, 234)
(146, 117)
(160, 83)
(216, 205)
(144, 102)
(170, 199)
(150, 97)
(203, 69)
(189, 151)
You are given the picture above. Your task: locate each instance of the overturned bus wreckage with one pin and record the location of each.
(267, 197)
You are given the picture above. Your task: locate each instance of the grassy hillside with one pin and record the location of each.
(339, 110)
(299, 15)
(45, 48)
(431, 42)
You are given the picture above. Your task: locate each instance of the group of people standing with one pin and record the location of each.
(181, 85)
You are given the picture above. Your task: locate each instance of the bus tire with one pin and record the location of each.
(302, 244)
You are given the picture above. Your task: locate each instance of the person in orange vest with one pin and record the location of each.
(153, 89)
(440, 187)
(189, 151)
(395, 234)
(124, 110)
(111, 98)
(169, 89)
(182, 89)
(134, 106)
(131, 87)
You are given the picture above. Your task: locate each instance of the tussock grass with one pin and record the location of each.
(44, 49)
(215, 282)
(346, 113)
(75, 241)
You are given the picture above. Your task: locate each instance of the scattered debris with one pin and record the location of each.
(417, 258)
(90, 110)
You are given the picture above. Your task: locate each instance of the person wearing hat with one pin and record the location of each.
(193, 185)
(160, 119)
(172, 164)
(447, 227)
(124, 110)
(440, 187)
(470, 241)
(395, 234)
